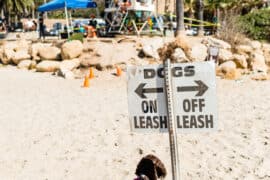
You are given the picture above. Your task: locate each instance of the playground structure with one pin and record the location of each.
(131, 17)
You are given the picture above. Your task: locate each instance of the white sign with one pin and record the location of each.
(194, 96)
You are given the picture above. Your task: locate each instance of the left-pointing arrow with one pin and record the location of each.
(141, 90)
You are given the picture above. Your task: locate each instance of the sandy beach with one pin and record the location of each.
(53, 129)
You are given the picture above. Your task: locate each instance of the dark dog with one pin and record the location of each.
(150, 168)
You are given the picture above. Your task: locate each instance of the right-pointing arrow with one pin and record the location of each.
(201, 88)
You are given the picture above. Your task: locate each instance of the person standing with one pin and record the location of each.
(41, 26)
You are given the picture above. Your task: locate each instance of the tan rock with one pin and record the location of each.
(227, 65)
(104, 56)
(255, 45)
(71, 50)
(217, 42)
(24, 64)
(87, 60)
(150, 47)
(7, 56)
(198, 52)
(33, 65)
(9, 45)
(179, 55)
(231, 74)
(22, 44)
(150, 51)
(88, 47)
(244, 49)
(1, 54)
(34, 50)
(17, 45)
(70, 64)
(265, 46)
(257, 62)
(266, 53)
(20, 55)
(48, 66)
(260, 77)
(225, 55)
(49, 53)
(122, 53)
(240, 60)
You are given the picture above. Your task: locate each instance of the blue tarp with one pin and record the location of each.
(70, 4)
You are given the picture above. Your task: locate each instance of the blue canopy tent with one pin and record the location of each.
(67, 4)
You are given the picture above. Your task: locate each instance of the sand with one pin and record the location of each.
(52, 128)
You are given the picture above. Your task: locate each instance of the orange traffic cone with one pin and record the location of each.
(91, 73)
(86, 82)
(118, 71)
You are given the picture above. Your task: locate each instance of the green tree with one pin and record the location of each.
(16, 7)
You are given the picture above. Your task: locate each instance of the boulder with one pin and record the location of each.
(72, 49)
(257, 62)
(266, 53)
(1, 54)
(228, 70)
(48, 66)
(24, 64)
(87, 60)
(227, 65)
(20, 55)
(150, 47)
(244, 49)
(88, 47)
(259, 51)
(22, 44)
(70, 64)
(240, 60)
(225, 55)
(260, 77)
(17, 45)
(255, 45)
(217, 42)
(10, 45)
(179, 55)
(150, 51)
(121, 53)
(49, 53)
(7, 56)
(198, 52)
(34, 50)
(231, 74)
(265, 47)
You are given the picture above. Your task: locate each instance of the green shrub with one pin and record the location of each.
(256, 24)
(76, 36)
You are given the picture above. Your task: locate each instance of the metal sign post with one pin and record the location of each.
(171, 121)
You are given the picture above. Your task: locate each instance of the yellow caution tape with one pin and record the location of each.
(203, 23)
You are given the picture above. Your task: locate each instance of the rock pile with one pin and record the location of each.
(25, 54)
(67, 58)
(232, 62)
